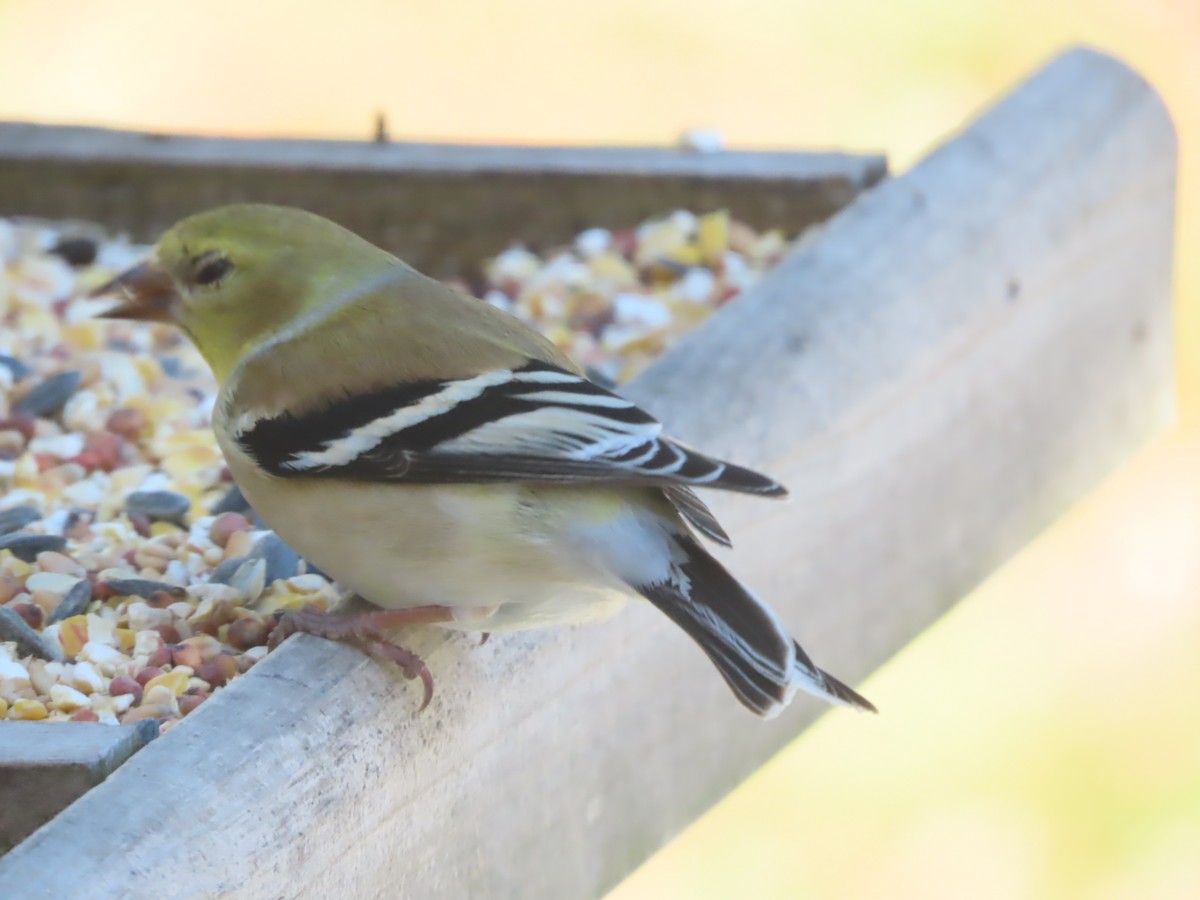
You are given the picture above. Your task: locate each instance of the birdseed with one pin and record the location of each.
(134, 579)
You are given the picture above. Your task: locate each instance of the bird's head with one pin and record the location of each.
(237, 276)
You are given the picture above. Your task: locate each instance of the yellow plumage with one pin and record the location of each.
(441, 459)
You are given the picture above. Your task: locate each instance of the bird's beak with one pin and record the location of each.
(145, 292)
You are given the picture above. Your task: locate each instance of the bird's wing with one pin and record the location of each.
(692, 508)
(536, 422)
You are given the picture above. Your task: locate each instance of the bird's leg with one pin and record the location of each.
(366, 631)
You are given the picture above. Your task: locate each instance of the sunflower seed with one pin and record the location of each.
(17, 518)
(18, 369)
(49, 397)
(233, 501)
(143, 587)
(76, 251)
(225, 571)
(250, 578)
(74, 604)
(29, 642)
(158, 506)
(282, 561)
(26, 547)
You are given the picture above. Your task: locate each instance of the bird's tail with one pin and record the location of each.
(742, 637)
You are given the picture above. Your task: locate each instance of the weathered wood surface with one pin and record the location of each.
(937, 375)
(441, 207)
(46, 766)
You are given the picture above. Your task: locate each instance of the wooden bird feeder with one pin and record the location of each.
(957, 356)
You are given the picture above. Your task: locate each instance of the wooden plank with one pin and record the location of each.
(442, 207)
(937, 375)
(45, 766)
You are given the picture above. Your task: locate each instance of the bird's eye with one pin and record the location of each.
(211, 268)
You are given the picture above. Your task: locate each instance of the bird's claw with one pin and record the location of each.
(410, 665)
(357, 632)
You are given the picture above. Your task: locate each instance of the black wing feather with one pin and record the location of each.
(692, 508)
(577, 431)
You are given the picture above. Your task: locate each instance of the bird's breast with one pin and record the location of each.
(497, 550)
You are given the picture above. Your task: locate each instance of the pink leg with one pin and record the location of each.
(366, 632)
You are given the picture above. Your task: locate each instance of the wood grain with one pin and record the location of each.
(443, 208)
(45, 766)
(943, 370)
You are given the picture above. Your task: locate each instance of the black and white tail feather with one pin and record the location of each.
(740, 634)
(542, 423)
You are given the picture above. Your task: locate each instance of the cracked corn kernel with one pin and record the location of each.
(72, 635)
(175, 681)
(66, 698)
(28, 710)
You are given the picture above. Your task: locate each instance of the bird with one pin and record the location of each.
(442, 460)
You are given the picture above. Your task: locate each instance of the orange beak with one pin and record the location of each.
(146, 292)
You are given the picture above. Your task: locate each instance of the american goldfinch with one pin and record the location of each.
(442, 460)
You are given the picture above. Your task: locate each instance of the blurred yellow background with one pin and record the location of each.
(1041, 741)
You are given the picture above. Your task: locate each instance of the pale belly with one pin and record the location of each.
(482, 552)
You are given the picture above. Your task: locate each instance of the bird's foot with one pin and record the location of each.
(366, 631)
